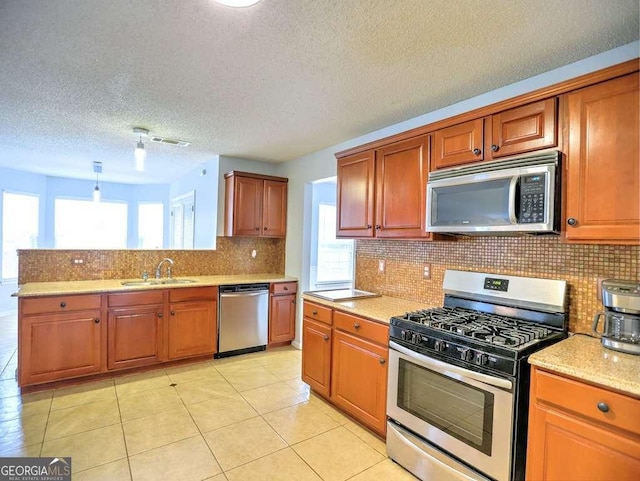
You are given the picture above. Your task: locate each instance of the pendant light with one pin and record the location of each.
(97, 168)
(140, 153)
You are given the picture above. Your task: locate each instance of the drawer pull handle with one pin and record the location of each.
(63, 304)
(315, 313)
(381, 361)
(604, 407)
(285, 288)
(97, 320)
(326, 338)
(356, 326)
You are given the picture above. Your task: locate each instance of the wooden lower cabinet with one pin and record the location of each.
(571, 439)
(359, 379)
(134, 336)
(59, 346)
(192, 329)
(316, 356)
(282, 318)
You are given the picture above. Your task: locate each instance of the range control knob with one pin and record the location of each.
(466, 355)
(415, 338)
(406, 335)
(440, 346)
(481, 359)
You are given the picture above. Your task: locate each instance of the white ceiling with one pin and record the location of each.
(271, 82)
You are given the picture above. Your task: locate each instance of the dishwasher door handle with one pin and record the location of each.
(243, 293)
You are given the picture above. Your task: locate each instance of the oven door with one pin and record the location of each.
(463, 412)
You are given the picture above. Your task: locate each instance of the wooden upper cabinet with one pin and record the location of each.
(355, 195)
(382, 193)
(514, 131)
(255, 205)
(602, 172)
(274, 209)
(524, 129)
(459, 144)
(402, 169)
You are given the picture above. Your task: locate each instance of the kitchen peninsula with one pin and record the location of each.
(81, 328)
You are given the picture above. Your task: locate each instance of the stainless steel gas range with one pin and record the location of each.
(458, 385)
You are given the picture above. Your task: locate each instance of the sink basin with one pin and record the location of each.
(155, 282)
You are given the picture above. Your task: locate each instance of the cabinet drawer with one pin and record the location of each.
(284, 288)
(136, 298)
(42, 305)
(193, 294)
(364, 328)
(317, 312)
(583, 399)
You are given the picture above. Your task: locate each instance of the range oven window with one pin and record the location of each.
(458, 409)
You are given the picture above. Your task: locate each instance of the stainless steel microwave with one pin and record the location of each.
(514, 196)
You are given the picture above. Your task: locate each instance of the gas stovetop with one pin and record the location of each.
(490, 328)
(488, 323)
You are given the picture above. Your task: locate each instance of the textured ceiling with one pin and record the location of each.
(270, 82)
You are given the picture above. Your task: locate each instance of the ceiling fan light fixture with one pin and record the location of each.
(237, 3)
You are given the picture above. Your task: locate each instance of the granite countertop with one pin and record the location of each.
(379, 309)
(583, 357)
(33, 289)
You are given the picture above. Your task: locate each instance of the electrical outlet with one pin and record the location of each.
(77, 261)
(426, 271)
(381, 265)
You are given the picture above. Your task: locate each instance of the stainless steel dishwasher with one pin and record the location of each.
(243, 319)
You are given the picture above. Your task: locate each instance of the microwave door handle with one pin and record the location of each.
(512, 199)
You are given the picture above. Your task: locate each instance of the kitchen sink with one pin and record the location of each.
(156, 282)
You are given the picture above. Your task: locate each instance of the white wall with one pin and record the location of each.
(322, 164)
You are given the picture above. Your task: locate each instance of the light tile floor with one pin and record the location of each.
(243, 418)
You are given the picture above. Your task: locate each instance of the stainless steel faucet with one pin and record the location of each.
(158, 269)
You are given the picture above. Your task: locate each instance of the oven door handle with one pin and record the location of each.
(447, 369)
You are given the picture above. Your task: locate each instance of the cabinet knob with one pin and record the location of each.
(173, 313)
(356, 326)
(97, 320)
(572, 221)
(293, 301)
(377, 227)
(477, 151)
(159, 314)
(326, 338)
(604, 407)
(266, 228)
(63, 304)
(381, 361)
(257, 228)
(368, 226)
(495, 148)
(285, 288)
(314, 313)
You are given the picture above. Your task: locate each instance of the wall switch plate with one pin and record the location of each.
(426, 271)
(381, 265)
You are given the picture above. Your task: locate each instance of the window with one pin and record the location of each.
(84, 224)
(150, 225)
(335, 256)
(19, 229)
(183, 211)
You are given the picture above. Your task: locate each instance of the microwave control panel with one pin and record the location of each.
(532, 199)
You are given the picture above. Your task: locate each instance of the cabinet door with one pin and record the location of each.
(282, 318)
(562, 447)
(59, 346)
(402, 169)
(274, 209)
(134, 337)
(316, 356)
(458, 144)
(359, 379)
(192, 329)
(247, 206)
(523, 129)
(603, 174)
(355, 195)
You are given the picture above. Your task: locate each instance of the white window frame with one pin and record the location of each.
(183, 232)
(138, 239)
(337, 283)
(14, 280)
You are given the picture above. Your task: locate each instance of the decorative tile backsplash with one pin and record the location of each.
(232, 256)
(545, 257)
